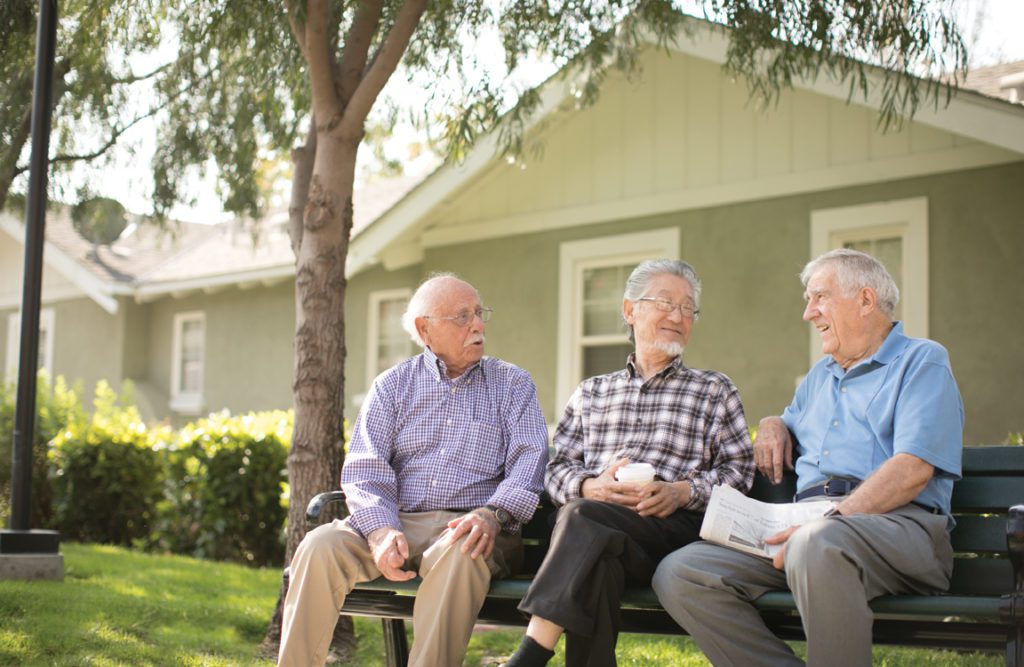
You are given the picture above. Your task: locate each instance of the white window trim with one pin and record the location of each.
(191, 402)
(47, 317)
(830, 228)
(575, 256)
(373, 328)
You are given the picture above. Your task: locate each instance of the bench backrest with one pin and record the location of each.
(993, 481)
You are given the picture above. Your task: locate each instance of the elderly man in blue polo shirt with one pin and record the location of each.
(876, 427)
(446, 462)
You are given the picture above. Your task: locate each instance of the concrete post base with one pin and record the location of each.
(32, 567)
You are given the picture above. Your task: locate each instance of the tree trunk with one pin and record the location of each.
(321, 247)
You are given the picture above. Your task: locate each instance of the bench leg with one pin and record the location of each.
(395, 643)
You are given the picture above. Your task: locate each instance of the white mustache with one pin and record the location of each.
(473, 341)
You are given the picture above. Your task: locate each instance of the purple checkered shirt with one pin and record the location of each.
(687, 423)
(424, 442)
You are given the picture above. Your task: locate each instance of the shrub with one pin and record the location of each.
(223, 497)
(107, 473)
(1015, 438)
(56, 408)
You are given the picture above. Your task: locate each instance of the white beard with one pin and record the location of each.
(671, 349)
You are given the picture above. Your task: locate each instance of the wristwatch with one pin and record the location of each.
(503, 517)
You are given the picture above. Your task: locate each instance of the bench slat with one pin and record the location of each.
(980, 534)
(988, 494)
(993, 459)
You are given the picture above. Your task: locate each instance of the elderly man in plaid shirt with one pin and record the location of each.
(446, 462)
(687, 423)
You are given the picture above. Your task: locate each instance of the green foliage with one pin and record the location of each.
(56, 408)
(223, 495)
(1015, 438)
(107, 473)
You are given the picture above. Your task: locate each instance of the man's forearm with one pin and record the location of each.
(897, 482)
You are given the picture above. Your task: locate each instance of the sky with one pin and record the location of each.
(993, 29)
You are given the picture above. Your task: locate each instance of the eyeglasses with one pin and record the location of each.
(666, 306)
(465, 317)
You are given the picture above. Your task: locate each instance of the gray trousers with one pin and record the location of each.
(834, 566)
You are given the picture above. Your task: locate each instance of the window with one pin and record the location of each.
(46, 333)
(592, 337)
(187, 362)
(896, 234)
(387, 342)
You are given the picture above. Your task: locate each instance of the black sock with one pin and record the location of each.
(529, 654)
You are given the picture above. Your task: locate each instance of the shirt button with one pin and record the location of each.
(835, 423)
(843, 390)
(449, 422)
(441, 452)
(825, 452)
(433, 482)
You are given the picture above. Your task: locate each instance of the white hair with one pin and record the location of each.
(647, 271)
(855, 270)
(422, 303)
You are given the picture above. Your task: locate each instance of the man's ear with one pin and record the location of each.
(627, 311)
(867, 300)
(422, 328)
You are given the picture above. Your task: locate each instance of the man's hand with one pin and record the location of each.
(481, 526)
(605, 487)
(779, 560)
(662, 498)
(773, 448)
(390, 551)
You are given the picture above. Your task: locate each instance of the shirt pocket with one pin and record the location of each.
(483, 451)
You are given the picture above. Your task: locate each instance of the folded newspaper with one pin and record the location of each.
(743, 523)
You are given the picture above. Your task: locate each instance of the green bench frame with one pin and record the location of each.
(983, 610)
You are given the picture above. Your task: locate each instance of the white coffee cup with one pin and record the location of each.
(637, 473)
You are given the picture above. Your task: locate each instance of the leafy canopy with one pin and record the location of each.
(228, 86)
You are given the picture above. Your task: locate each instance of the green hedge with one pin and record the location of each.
(216, 488)
(57, 407)
(225, 496)
(108, 474)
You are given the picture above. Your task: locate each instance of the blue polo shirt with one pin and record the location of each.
(902, 399)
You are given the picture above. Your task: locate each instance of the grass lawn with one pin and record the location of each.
(120, 607)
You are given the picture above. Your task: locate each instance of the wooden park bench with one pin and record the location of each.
(982, 611)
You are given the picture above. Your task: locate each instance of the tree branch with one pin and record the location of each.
(298, 28)
(326, 106)
(303, 159)
(357, 46)
(385, 61)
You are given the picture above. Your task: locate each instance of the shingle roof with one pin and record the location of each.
(995, 81)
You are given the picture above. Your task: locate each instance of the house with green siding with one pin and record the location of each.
(672, 162)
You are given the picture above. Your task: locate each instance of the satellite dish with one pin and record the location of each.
(99, 220)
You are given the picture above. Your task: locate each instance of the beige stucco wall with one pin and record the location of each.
(248, 363)
(749, 255)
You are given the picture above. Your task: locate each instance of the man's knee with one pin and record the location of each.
(816, 547)
(678, 573)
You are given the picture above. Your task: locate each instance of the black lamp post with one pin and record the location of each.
(20, 539)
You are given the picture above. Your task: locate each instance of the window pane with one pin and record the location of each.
(601, 359)
(888, 251)
(602, 299)
(393, 344)
(191, 368)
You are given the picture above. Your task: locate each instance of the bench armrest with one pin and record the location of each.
(316, 506)
(1015, 545)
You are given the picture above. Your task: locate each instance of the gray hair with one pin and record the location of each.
(648, 270)
(855, 270)
(422, 302)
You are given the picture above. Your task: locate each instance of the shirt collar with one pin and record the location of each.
(437, 367)
(674, 367)
(890, 350)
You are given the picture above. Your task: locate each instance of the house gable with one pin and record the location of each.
(685, 137)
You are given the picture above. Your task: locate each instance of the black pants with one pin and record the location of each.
(596, 549)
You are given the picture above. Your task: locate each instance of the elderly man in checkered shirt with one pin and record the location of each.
(446, 462)
(688, 424)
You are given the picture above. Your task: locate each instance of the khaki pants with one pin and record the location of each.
(333, 558)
